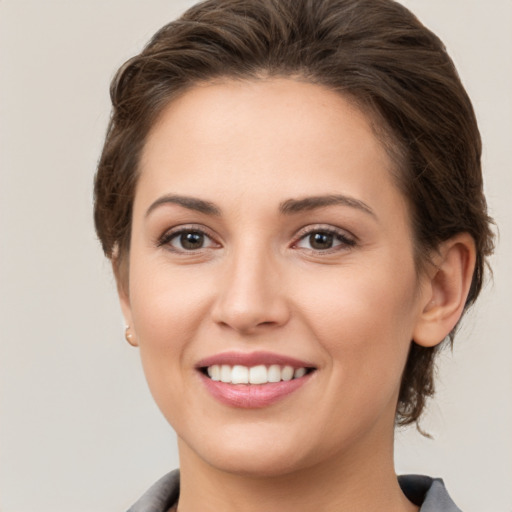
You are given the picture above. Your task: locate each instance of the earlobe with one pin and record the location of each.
(447, 289)
(130, 337)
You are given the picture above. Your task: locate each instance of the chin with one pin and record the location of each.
(256, 465)
(253, 454)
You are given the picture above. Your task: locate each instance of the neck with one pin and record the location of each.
(345, 482)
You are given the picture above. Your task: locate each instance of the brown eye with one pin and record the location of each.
(187, 240)
(191, 241)
(321, 241)
(324, 240)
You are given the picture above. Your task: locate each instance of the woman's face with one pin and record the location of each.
(269, 240)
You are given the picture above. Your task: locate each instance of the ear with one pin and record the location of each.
(123, 292)
(447, 289)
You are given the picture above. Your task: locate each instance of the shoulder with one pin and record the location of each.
(428, 492)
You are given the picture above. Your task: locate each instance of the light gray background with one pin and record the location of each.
(78, 429)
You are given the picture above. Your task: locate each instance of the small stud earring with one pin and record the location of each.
(129, 337)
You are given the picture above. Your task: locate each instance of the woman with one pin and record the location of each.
(290, 193)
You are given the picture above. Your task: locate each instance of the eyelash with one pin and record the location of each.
(169, 236)
(345, 241)
(340, 236)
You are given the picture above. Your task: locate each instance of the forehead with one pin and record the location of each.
(263, 135)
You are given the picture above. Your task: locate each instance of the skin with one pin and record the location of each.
(247, 147)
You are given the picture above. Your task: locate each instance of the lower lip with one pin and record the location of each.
(252, 396)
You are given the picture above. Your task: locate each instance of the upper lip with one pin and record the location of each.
(252, 359)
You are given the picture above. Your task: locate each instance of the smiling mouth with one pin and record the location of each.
(253, 380)
(259, 374)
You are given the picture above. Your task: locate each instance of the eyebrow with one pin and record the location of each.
(288, 207)
(191, 203)
(292, 206)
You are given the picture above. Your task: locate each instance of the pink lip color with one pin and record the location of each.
(252, 396)
(252, 359)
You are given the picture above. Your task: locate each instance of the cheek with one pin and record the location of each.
(364, 319)
(167, 303)
(168, 309)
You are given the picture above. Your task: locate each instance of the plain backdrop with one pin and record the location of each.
(78, 429)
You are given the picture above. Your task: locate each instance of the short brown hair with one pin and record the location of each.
(374, 51)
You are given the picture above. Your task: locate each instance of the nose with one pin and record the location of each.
(251, 297)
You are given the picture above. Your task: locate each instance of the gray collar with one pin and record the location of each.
(428, 492)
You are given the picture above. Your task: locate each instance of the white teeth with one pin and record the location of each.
(274, 373)
(299, 372)
(214, 372)
(260, 374)
(287, 373)
(240, 375)
(225, 373)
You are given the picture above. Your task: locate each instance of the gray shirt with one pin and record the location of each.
(428, 492)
